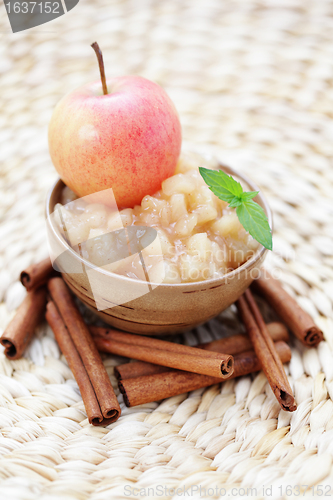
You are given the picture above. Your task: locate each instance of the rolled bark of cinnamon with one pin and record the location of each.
(265, 351)
(148, 388)
(20, 330)
(163, 345)
(188, 358)
(37, 274)
(234, 344)
(297, 320)
(74, 361)
(86, 348)
(137, 369)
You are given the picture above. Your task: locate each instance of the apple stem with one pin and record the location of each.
(99, 55)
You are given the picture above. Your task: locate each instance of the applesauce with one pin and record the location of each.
(200, 237)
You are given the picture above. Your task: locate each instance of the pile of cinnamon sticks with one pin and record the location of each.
(48, 295)
(163, 368)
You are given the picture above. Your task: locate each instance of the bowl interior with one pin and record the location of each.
(55, 195)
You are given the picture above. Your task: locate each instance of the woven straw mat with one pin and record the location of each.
(254, 80)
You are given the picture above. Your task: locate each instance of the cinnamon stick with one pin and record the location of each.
(137, 369)
(265, 351)
(75, 363)
(234, 344)
(148, 388)
(154, 343)
(86, 348)
(180, 357)
(21, 328)
(37, 274)
(298, 320)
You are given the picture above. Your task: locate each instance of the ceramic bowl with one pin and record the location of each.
(168, 307)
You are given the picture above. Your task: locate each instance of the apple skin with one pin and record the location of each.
(128, 140)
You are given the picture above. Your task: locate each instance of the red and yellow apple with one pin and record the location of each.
(128, 140)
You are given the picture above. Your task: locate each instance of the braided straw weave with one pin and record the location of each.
(254, 80)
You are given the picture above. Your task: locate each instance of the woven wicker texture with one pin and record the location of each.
(254, 80)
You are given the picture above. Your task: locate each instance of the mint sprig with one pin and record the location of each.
(250, 214)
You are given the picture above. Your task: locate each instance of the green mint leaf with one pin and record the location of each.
(235, 202)
(221, 184)
(250, 214)
(248, 195)
(253, 219)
